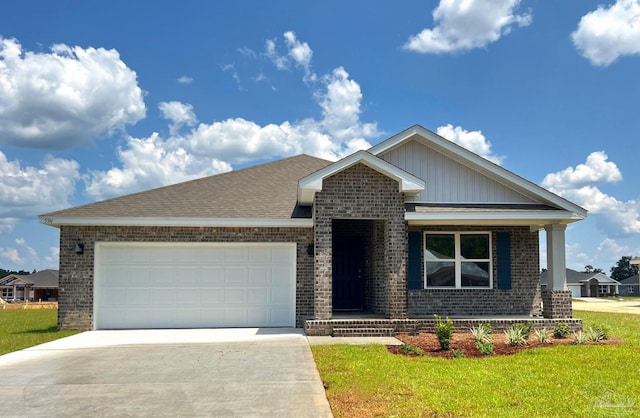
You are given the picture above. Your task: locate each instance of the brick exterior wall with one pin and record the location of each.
(76, 277)
(522, 299)
(360, 192)
(556, 304)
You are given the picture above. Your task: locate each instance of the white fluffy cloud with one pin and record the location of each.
(595, 170)
(29, 191)
(148, 163)
(579, 185)
(58, 99)
(20, 255)
(474, 141)
(462, 25)
(608, 33)
(211, 148)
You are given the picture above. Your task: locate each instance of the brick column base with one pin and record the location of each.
(556, 304)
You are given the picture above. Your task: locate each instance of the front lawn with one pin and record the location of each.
(28, 327)
(566, 380)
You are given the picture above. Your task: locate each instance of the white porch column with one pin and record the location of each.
(556, 257)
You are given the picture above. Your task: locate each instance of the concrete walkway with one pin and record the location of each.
(166, 373)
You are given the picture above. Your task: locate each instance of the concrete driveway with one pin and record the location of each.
(165, 373)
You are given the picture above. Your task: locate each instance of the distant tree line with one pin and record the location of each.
(620, 271)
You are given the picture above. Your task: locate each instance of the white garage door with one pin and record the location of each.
(194, 285)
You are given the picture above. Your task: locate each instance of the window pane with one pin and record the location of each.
(474, 246)
(441, 274)
(440, 247)
(475, 274)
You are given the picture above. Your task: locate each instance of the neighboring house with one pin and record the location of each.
(40, 286)
(630, 286)
(415, 226)
(586, 284)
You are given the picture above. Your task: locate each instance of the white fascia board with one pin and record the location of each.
(207, 222)
(407, 183)
(529, 218)
(472, 160)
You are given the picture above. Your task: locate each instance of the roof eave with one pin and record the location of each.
(308, 186)
(196, 222)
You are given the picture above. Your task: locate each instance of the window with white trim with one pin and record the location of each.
(458, 260)
(7, 293)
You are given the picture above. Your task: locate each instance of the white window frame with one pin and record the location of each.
(7, 293)
(458, 259)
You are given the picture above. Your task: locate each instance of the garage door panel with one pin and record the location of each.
(138, 297)
(235, 275)
(194, 285)
(258, 275)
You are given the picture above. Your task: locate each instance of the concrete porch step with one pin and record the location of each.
(362, 332)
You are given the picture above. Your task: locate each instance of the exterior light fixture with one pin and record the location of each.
(79, 248)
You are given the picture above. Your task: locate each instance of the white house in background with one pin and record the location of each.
(586, 284)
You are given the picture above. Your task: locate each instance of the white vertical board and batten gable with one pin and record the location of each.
(464, 165)
(449, 181)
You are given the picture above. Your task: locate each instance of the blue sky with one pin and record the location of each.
(99, 99)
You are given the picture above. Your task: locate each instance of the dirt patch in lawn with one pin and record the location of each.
(427, 344)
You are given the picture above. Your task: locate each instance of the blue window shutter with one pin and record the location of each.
(414, 270)
(503, 249)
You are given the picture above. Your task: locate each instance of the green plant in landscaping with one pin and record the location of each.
(525, 329)
(410, 349)
(597, 334)
(515, 335)
(579, 337)
(601, 331)
(444, 331)
(561, 330)
(483, 336)
(457, 353)
(543, 336)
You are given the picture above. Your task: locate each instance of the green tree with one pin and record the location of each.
(623, 269)
(590, 269)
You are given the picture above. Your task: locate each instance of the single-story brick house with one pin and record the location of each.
(38, 286)
(582, 284)
(412, 227)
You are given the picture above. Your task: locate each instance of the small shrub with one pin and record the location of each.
(543, 336)
(409, 349)
(486, 348)
(579, 337)
(482, 334)
(515, 335)
(561, 330)
(525, 329)
(457, 353)
(444, 332)
(602, 332)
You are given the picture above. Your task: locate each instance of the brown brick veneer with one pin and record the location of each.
(77, 271)
(360, 192)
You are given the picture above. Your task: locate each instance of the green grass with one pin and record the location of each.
(586, 380)
(24, 328)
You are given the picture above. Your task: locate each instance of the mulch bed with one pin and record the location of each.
(465, 342)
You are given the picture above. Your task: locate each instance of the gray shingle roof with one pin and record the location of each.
(43, 278)
(267, 191)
